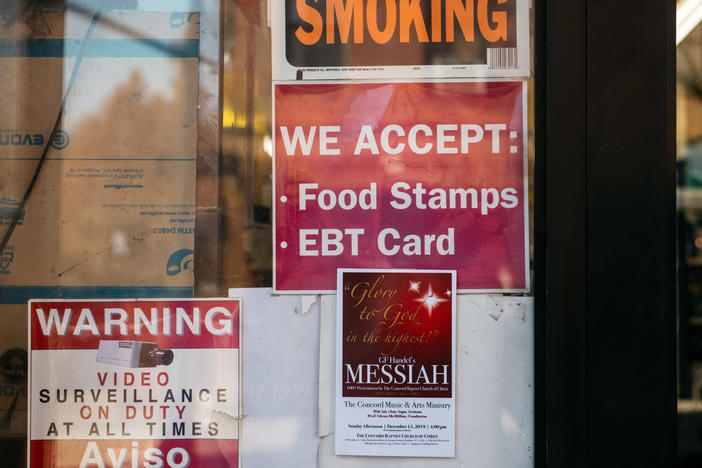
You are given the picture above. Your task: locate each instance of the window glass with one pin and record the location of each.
(137, 143)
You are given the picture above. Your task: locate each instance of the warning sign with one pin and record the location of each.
(132, 383)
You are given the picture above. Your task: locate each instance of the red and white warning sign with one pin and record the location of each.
(151, 383)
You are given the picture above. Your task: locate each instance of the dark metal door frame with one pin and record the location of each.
(605, 233)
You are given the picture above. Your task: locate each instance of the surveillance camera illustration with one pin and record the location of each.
(133, 354)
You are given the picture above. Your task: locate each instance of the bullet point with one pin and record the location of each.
(513, 134)
(283, 199)
(513, 149)
(283, 245)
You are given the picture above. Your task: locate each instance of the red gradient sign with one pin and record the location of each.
(164, 453)
(173, 323)
(418, 175)
(398, 326)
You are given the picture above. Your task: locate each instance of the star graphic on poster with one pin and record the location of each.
(448, 292)
(414, 286)
(430, 300)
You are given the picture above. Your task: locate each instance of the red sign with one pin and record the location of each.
(397, 327)
(165, 453)
(428, 175)
(173, 323)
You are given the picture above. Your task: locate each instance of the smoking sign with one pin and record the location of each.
(367, 39)
(401, 175)
(151, 383)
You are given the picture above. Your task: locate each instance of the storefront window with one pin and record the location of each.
(160, 149)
